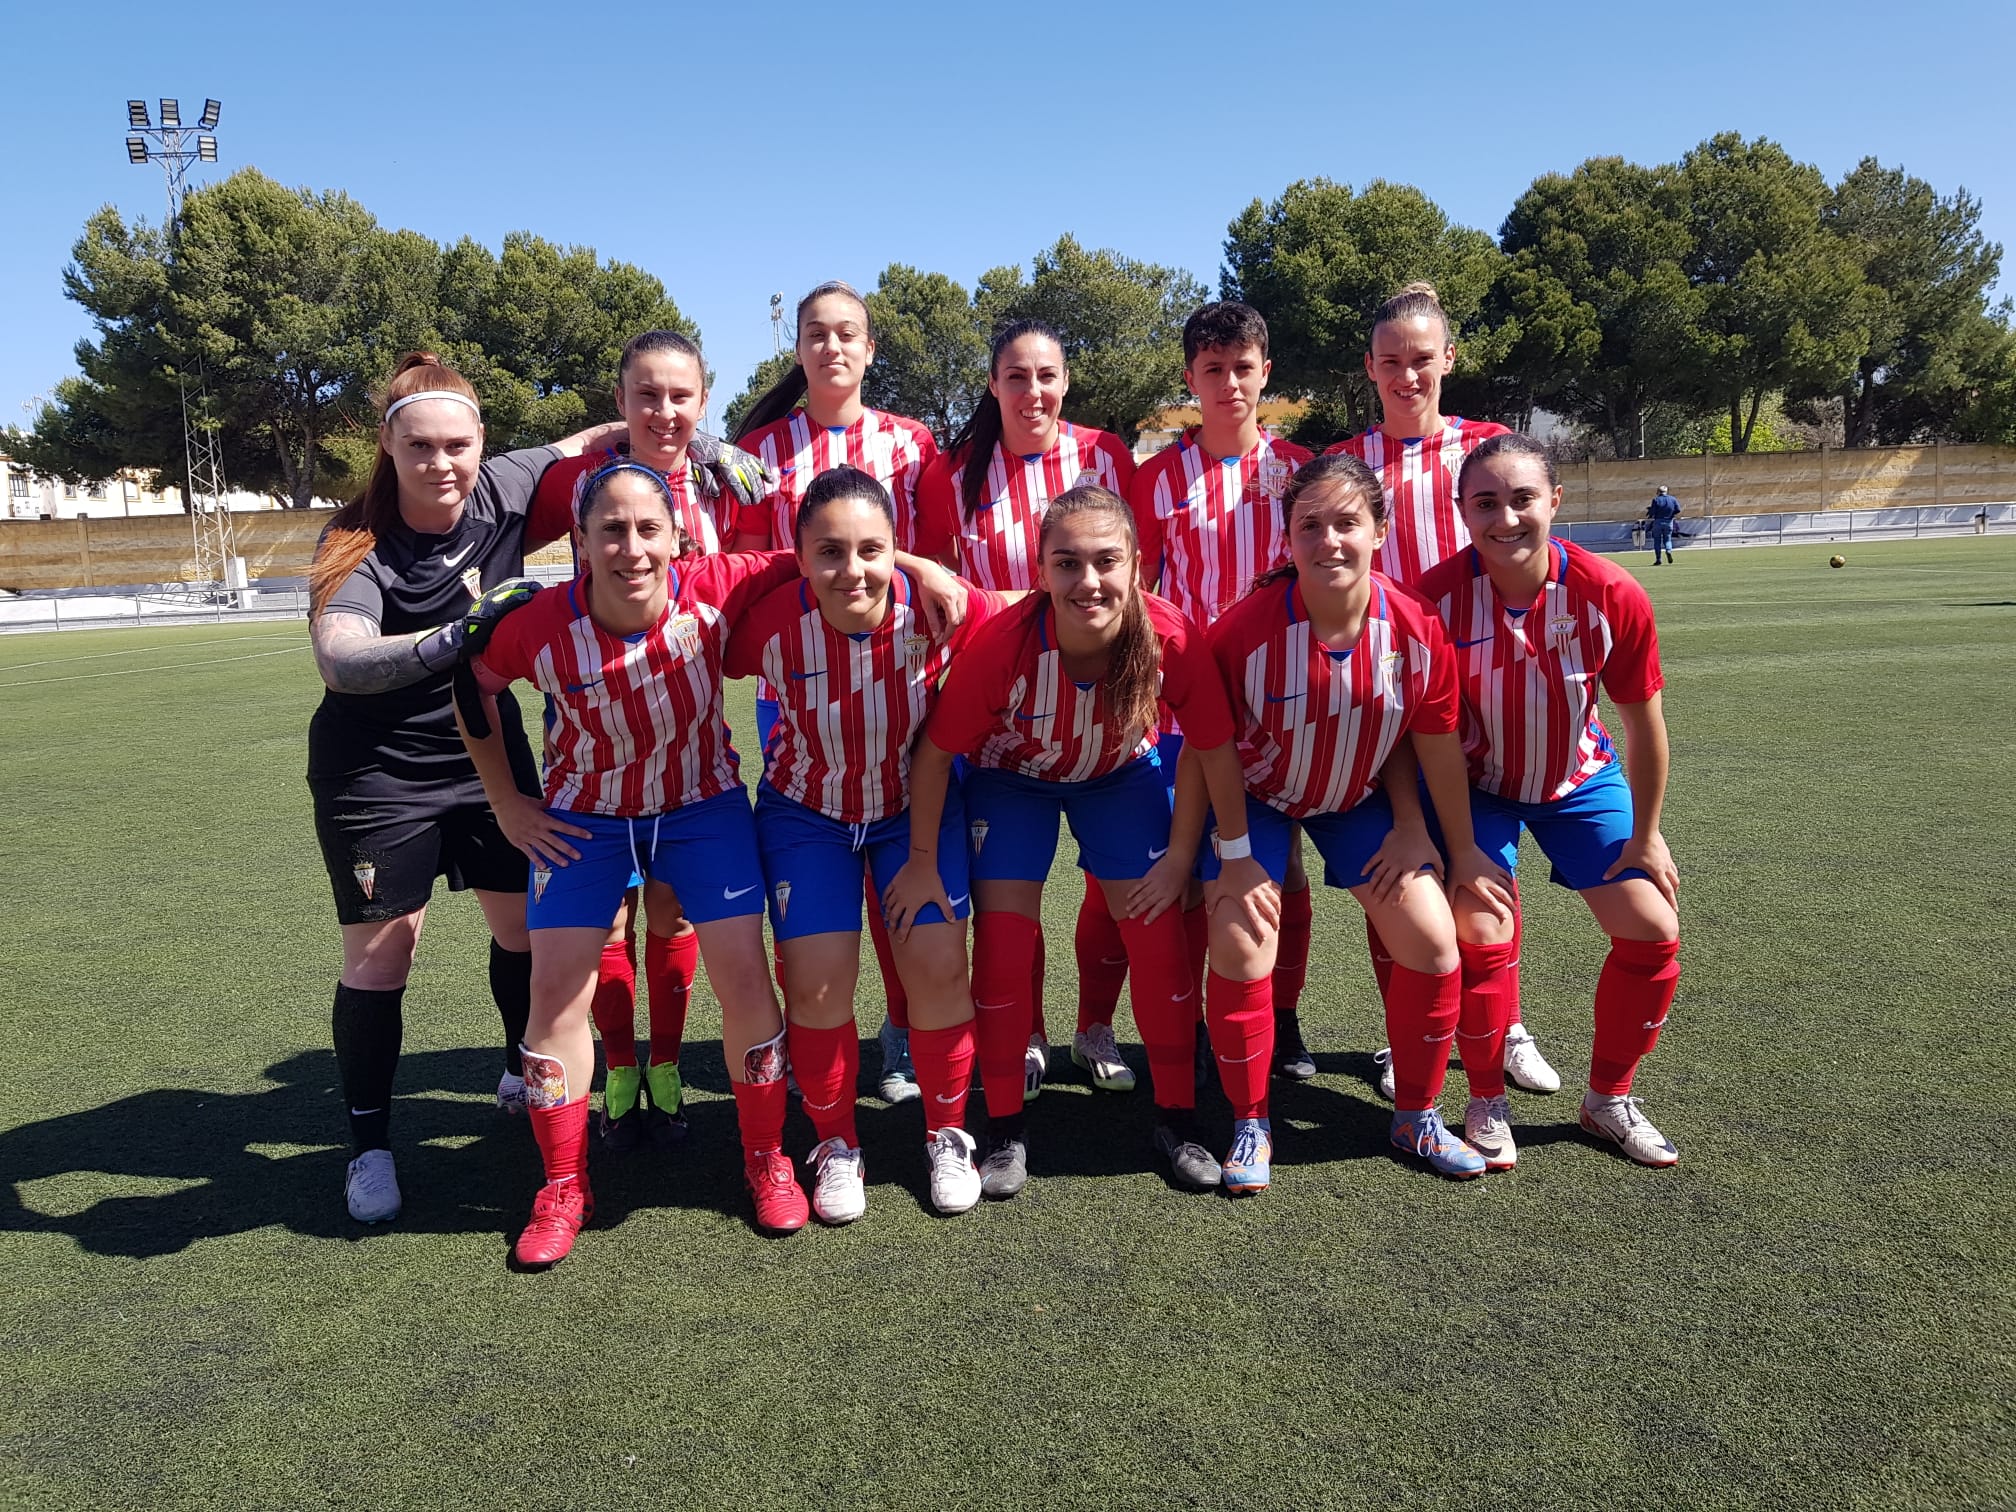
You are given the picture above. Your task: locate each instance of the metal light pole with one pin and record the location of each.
(777, 325)
(215, 543)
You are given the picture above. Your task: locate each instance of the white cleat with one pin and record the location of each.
(1384, 1061)
(511, 1094)
(371, 1187)
(1618, 1120)
(1035, 1066)
(838, 1193)
(1487, 1129)
(1525, 1064)
(1094, 1052)
(955, 1180)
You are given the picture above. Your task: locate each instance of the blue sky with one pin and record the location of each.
(741, 150)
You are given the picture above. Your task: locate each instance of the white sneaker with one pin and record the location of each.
(1618, 1120)
(899, 1074)
(371, 1187)
(955, 1180)
(1384, 1061)
(1487, 1129)
(511, 1094)
(838, 1195)
(1093, 1051)
(1526, 1065)
(1035, 1066)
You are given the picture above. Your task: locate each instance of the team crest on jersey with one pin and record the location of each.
(686, 634)
(1563, 625)
(916, 647)
(541, 875)
(1088, 479)
(978, 831)
(783, 891)
(1274, 477)
(472, 580)
(366, 873)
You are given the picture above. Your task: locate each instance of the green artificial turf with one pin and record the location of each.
(1810, 1311)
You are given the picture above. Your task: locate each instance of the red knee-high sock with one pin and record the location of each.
(1382, 959)
(1164, 1006)
(944, 1062)
(1518, 944)
(1037, 1028)
(669, 964)
(1488, 984)
(562, 1133)
(1421, 1015)
(1633, 996)
(1102, 958)
(1242, 1039)
(827, 1063)
(1291, 960)
(878, 931)
(1197, 950)
(1002, 946)
(614, 1006)
(759, 1112)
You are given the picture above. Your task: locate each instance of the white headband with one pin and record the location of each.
(398, 404)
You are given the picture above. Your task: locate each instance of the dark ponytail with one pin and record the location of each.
(782, 396)
(1340, 470)
(1134, 674)
(981, 433)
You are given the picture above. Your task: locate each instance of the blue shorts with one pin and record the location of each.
(1582, 835)
(1169, 747)
(813, 863)
(706, 852)
(766, 721)
(1345, 841)
(1121, 822)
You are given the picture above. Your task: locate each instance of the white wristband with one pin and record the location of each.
(1235, 850)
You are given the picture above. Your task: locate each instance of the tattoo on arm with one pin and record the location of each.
(354, 658)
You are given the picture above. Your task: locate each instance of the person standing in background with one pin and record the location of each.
(1659, 516)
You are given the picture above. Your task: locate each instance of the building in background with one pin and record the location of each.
(32, 497)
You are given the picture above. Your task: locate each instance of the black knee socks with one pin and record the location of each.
(366, 1027)
(511, 986)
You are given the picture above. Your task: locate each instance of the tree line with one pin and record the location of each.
(1733, 300)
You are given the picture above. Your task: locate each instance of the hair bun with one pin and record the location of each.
(417, 359)
(1419, 286)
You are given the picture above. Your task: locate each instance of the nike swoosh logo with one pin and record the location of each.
(732, 893)
(1157, 855)
(1477, 642)
(964, 896)
(584, 687)
(801, 676)
(1028, 717)
(1284, 698)
(457, 561)
(1184, 996)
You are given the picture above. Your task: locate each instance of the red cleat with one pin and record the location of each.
(557, 1215)
(781, 1206)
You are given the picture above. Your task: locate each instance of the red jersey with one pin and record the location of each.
(1424, 524)
(1213, 524)
(998, 541)
(709, 523)
(1316, 724)
(893, 449)
(636, 726)
(1007, 702)
(1529, 678)
(848, 706)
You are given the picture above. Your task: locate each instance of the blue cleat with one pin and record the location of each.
(1423, 1133)
(1247, 1166)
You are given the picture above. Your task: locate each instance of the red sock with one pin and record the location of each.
(1633, 996)
(1164, 1006)
(878, 931)
(1197, 947)
(1421, 1014)
(1002, 946)
(669, 964)
(1102, 958)
(1291, 960)
(1518, 945)
(827, 1063)
(944, 1062)
(1382, 961)
(759, 1109)
(1242, 1039)
(1039, 959)
(1488, 984)
(614, 1006)
(562, 1133)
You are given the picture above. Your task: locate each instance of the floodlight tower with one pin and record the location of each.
(777, 325)
(216, 546)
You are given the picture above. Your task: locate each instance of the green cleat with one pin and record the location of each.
(666, 1119)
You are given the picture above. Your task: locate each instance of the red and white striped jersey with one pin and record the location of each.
(848, 706)
(1424, 522)
(710, 523)
(998, 541)
(636, 723)
(1213, 524)
(1529, 679)
(893, 449)
(1316, 724)
(1007, 702)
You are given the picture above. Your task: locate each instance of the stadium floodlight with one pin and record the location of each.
(136, 115)
(171, 113)
(206, 149)
(210, 112)
(136, 149)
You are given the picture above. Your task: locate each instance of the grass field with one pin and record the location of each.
(1812, 1310)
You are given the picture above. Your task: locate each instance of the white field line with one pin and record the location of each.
(222, 640)
(215, 661)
